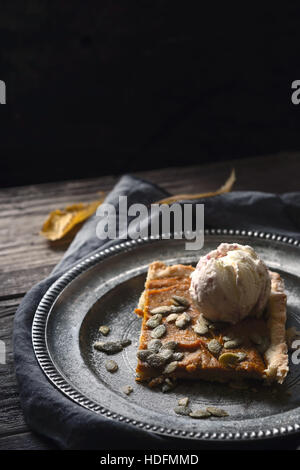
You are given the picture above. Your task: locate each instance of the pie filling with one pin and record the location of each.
(253, 348)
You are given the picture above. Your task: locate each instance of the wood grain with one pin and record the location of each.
(26, 258)
(25, 441)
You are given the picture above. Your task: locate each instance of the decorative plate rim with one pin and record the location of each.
(44, 359)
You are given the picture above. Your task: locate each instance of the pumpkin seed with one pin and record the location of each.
(213, 325)
(156, 360)
(202, 325)
(158, 332)
(199, 414)
(182, 410)
(183, 320)
(172, 317)
(229, 359)
(127, 389)
(166, 309)
(181, 300)
(233, 343)
(167, 385)
(242, 356)
(200, 328)
(183, 401)
(163, 310)
(104, 330)
(214, 346)
(111, 366)
(178, 308)
(219, 412)
(170, 367)
(169, 345)
(171, 383)
(110, 347)
(204, 320)
(166, 353)
(143, 354)
(166, 388)
(178, 356)
(154, 321)
(227, 338)
(154, 345)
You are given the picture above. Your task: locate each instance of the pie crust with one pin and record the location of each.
(276, 356)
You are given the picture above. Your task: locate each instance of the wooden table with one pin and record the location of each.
(26, 257)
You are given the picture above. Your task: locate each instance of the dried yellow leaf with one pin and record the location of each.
(60, 222)
(223, 189)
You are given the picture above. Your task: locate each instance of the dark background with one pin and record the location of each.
(97, 88)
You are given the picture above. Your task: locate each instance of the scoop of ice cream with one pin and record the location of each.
(230, 283)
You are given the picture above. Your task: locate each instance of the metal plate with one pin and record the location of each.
(104, 289)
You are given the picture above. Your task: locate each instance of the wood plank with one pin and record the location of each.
(282, 170)
(17, 282)
(25, 441)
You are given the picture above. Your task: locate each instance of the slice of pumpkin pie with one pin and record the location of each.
(212, 325)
